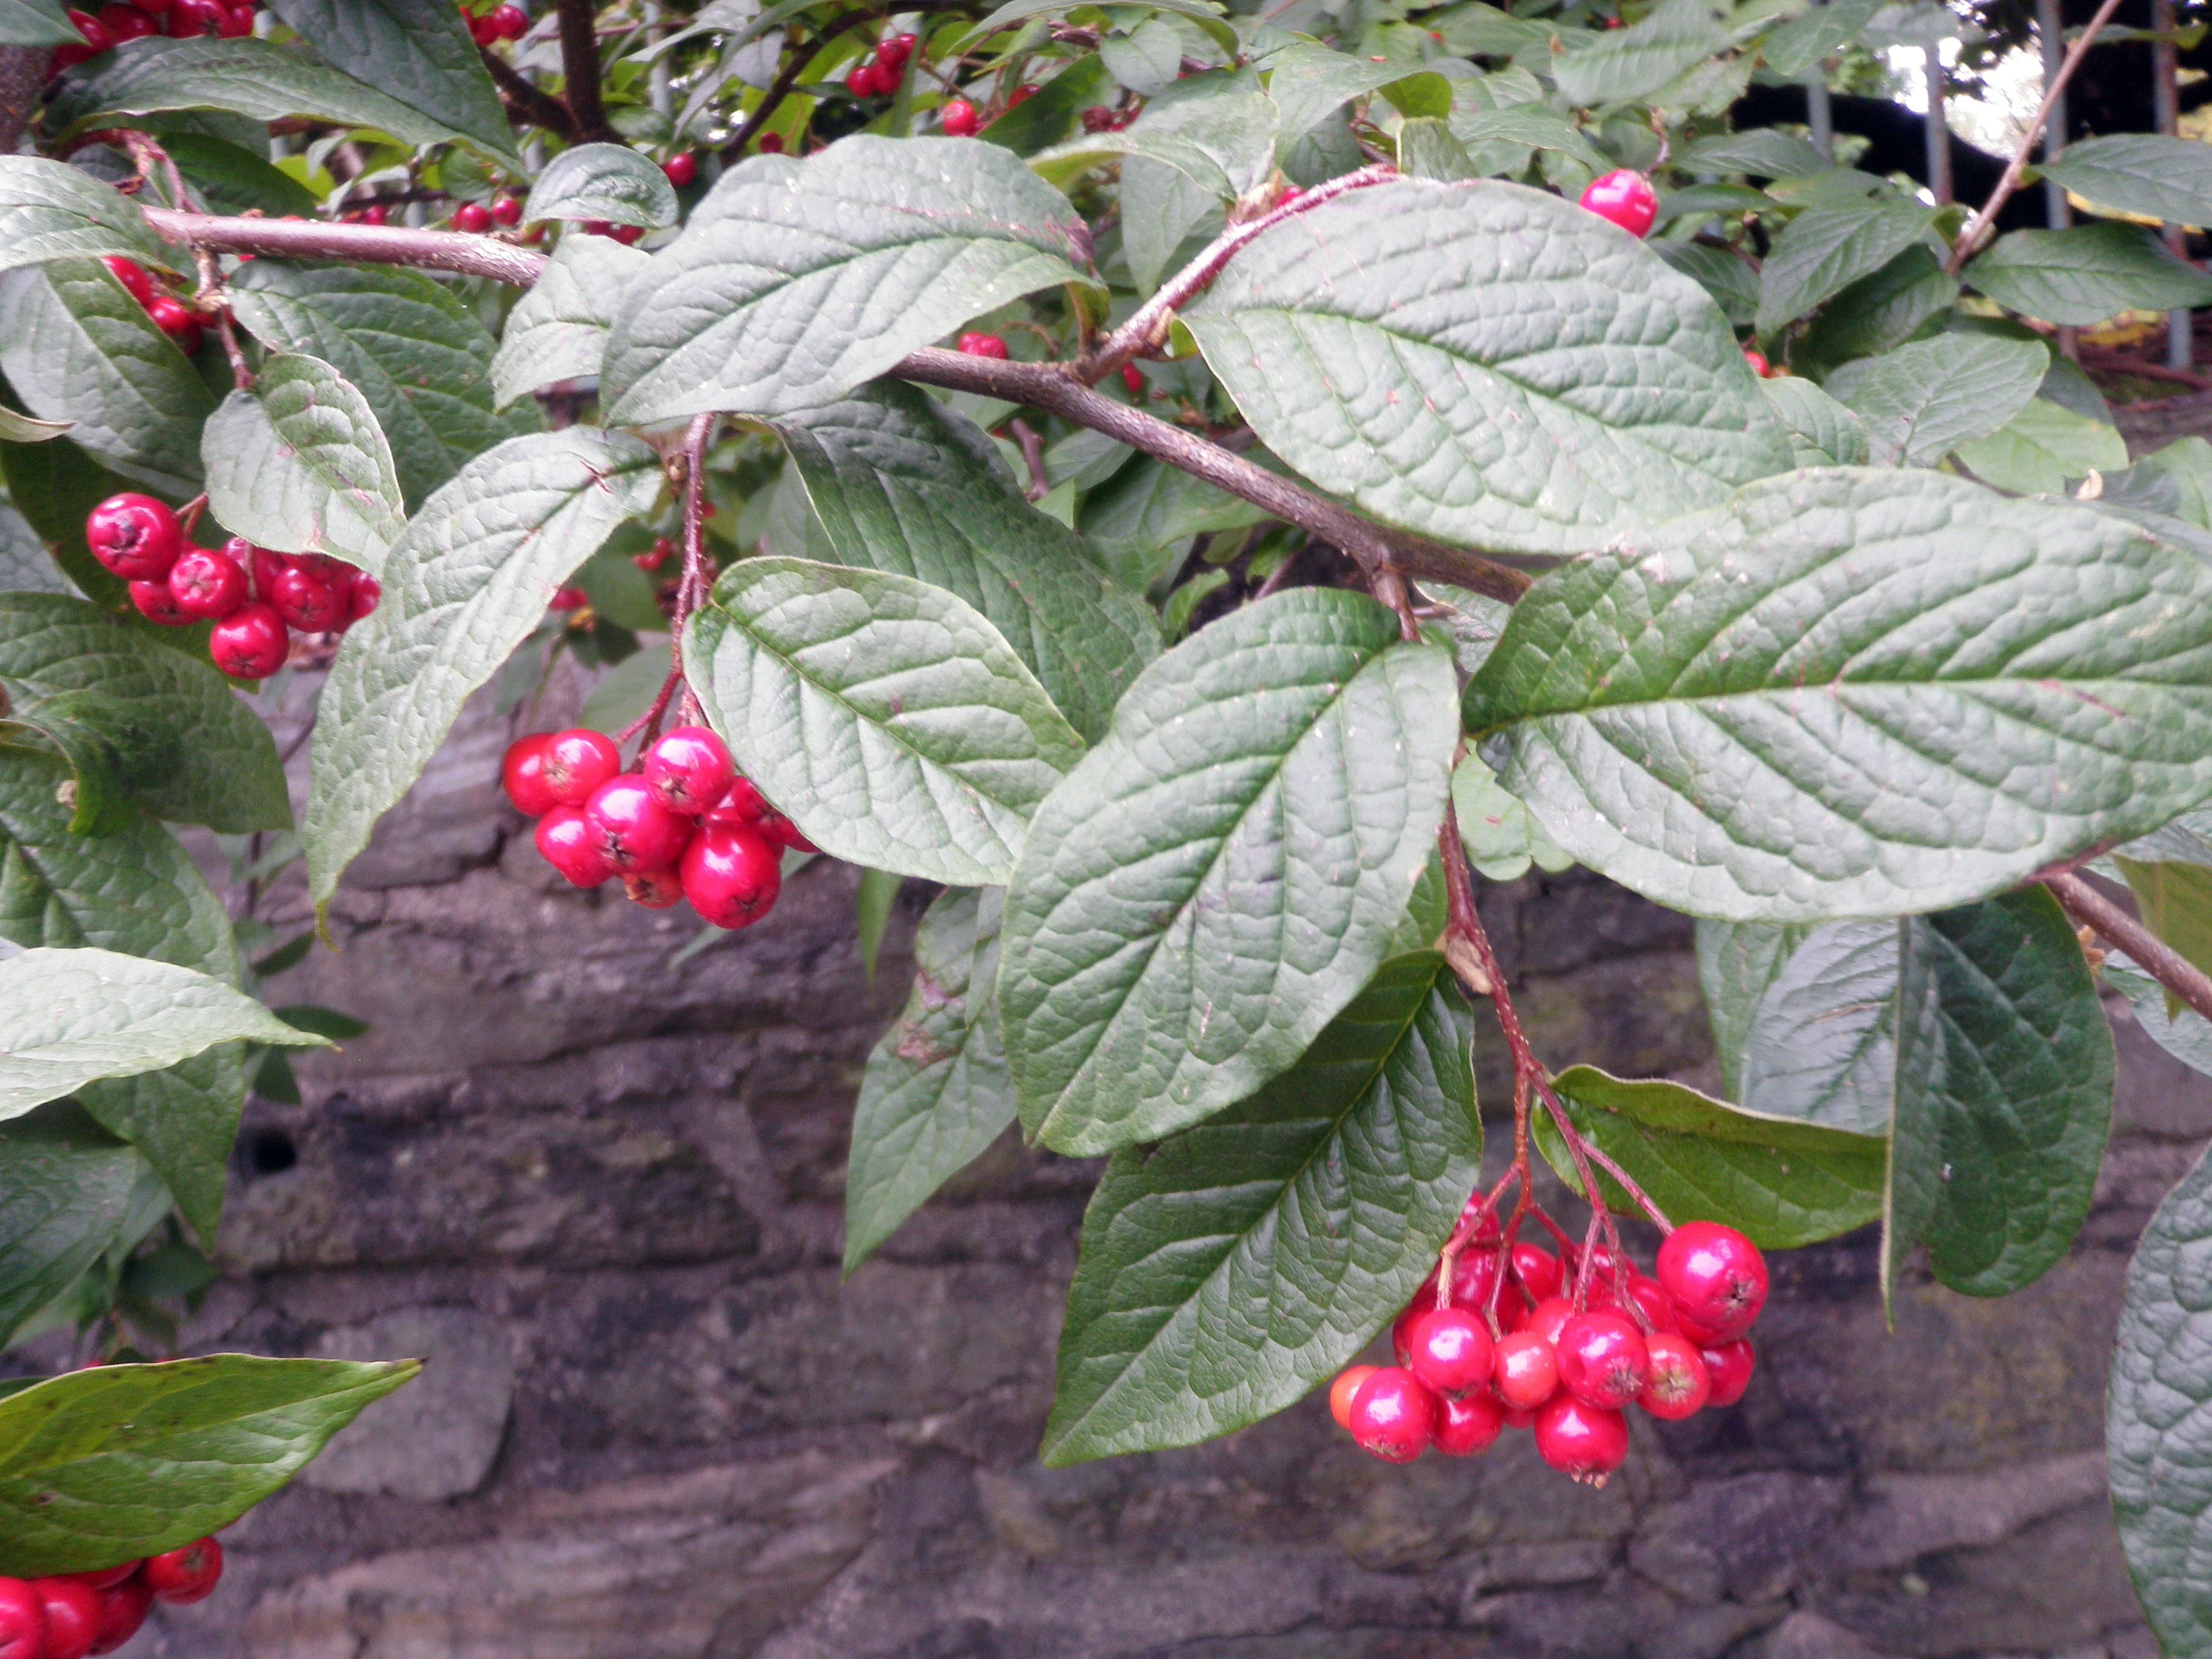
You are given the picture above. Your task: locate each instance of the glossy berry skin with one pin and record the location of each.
(207, 582)
(681, 168)
(1757, 363)
(577, 761)
(250, 643)
(1729, 1367)
(23, 1620)
(1451, 1350)
(106, 1578)
(127, 23)
(567, 599)
(656, 889)
(1603, 1359)
(1586, 1442)
(983, 345)
(134, 537)
(157, 603)
(1538, 1271)
(96, 36)
(1715, 1277)
(1134, 378)
(634, 830)
(1021, 94)
(374, 214)
(1547, 1316)
(959, 120)
(132, 275)
(1340, 1392)
(1645, 1293)
(1679, 1385)
(731, 874)
(72, 1617)
(1474, 1275)
(565, 840)
(770, 143)
(896, 50)
(506, 210)
(743, 802)
(865, 79)
(309, 602)
(1394, 1417)
(689, 771)
(363, 594)
(508, 22)
(663, 550)
(1402, 1327)
(473, 217)
(123, 1609)
(783, 832)
(172, 316)
(522, 776)
(191, 17)
(1626, 197)
(1524, 1370)
(1469, 1425)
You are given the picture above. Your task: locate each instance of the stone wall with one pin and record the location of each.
(600, 1189)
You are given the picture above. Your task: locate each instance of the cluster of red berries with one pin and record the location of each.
(80, 1613)
(114, 24)
(878, 74)
(502, 23)
(685, 825)
(171, 315)
(1518, 1352)
(1626, 197)
(251, 595)
(983, 345)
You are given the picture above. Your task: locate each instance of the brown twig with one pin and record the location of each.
(580, 72)
(386, 244)
(2117, 362)
(1977, 229)
(526, 100)
(2143, 947)
(789, 77)
(1032, 448)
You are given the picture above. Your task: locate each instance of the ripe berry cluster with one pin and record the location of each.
(1507, 1345)
(878, 74)
(251, 595)
(113, 25)
(504, 22)
(171, 315)
(79, 1613)
(685, 825)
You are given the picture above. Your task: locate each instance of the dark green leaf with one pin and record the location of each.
(1221, 876)
(1821, 1045)
(2045, 448)
(2140, 173)
(1617, 66)
(2087, 274)
(1920, 400)
(36, 23)
(1217, 128)
(1822, 432)
(1502, 840)
(69, 1192)
(1824, 249)
(1228, 1270)
(2175, 899)
(1728, 281)
(27, 564)
(323, 1022)
(2185, 1033)
(1049, 115)
(603, 181)
(626, 691)
(1951, 749)
(1528, 124)
(54, 485)
(300, 464)
(74, 725)
(1736, 962)
(558, 330)
(1146, 59)
(1879, 311)
(1142, 519)
(51, 212)
(871, 912)
(1814, 34)
(232, 180)
(418, 50)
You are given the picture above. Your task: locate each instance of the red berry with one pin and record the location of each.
(96, 36)
(1759, 364)
(206, 582)
(191, 17)
(308, 602)
(681, 168)
(265, 565)
(157, 603)
(506, 210)
(23, 1617)
(122, 1610)
(154, 8)
(1588, 1442)
(127, 23)
(106, 1578)
(566, 841)
(783, 832)
(634, 830)
(1394, 1417)
(1524, 1370)
(374, 214)
(896, 50)
(508, 22)
(1467, 1426)
(1134, 378)
(1538, 1271)
(1451, 1350)
(577, 761)
(473, 217)
(596, 227)
(1729, 1366)
(1020, 95)
(1546, 1318)
(864, 81)
(72, 1613)
(567, 599)
(627, 235)
(743, 804)
(1474, 1275)
(1626, 197)
(237, 24)
(732, 874)
(1340, 1397)
(184, 1576)
(361, 598)
(134, 536)
(663, 550)
(129, 272)
(656, 889)
(172, 316)
(1644, 1291)
(1679, 1383)
(250, 643)
(770, 143)
(1603, 1361)
(1715, 1277)
(522, 776)
(960, 120)
(1402, 1327)
(983, 345)
(689, 771)
(482, 31)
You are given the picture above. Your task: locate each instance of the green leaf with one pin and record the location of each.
(936, 1092)
(871, 912)
(891, 723)
(68, 1017)
(1382, 345)
(323, 1022)
(1161, 208)
(558, 329)
(301, 465)
(1528, 124)
(602, 181)
(1728, 281)
(51, 211)
(1215, 880)
(1879, 311)
(2185, 1033)
(54, 485)
(1653, 702)
(1821, 1043)
(1621, 65)
(36, 23)
(1824, 249)
(231, 180)
(414, 351)
(2004, 1093)
(2045, 448)
(1049, 115)
(188, 748)
(258, 79)
(1146, 59)
(70, 1193)
(1225, 1271)
(1502, 840)
(23, 429)
(117, 1461)
(418, 50)
(1822, 432)
(462, 587)
(1217, 128)
(2175, 900)
(1920, 400)
(2087, 273)
(1736, 962)
(76, 347)
(1816, 32)
(2187, 462)
(27, 564)
(1207, 17)
(1780, 1183)
(796, 281)
(626, 690)
(1141, 519)
(2141, 172)
(904, 485)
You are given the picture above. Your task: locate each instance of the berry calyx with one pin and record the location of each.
(522, 776)
(157, 603)
(959, 120)
(1729, 1366)
(72, 1613)
(1626, 197)
(577, 761)
(1715, 1277)
(634, 830)
(689, 771)
(473, 217)
(207, 582)
(1451, 1350)
(983, 345)
(1394, 1417)
(1524, 1370)
(1603, 1361)
(1467, 1426)
(1584, 1443)
(134, 537)
(656, 889)
(681, 168)
(250, 643)
(565, 840)
(123, 1609)
(23, 1621)
(1339, 1395)
(732, 874)
(1679, 1385)
(133, 276)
